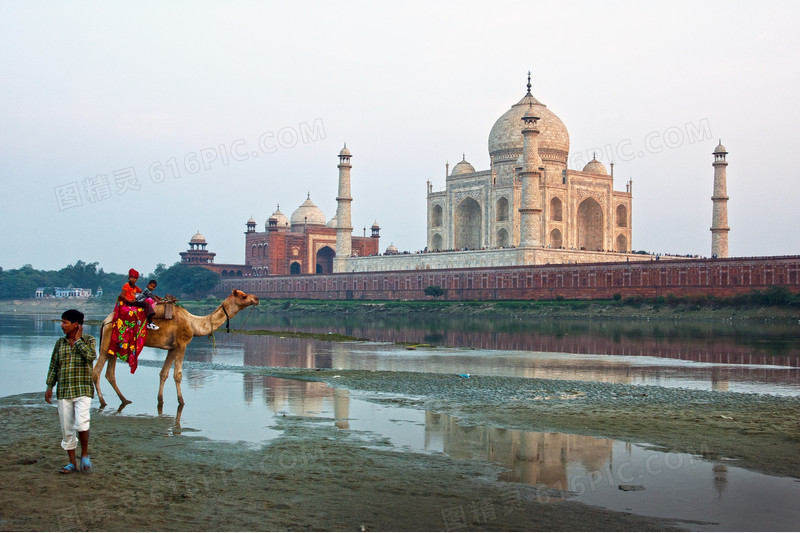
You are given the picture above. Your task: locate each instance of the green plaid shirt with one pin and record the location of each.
(71, 368)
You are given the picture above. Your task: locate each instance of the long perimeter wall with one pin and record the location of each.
(717, 277)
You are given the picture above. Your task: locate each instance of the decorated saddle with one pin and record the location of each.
(128, 333)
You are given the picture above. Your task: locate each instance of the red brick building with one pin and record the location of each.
(303, 244)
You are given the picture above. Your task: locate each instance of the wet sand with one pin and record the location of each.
(150, 474)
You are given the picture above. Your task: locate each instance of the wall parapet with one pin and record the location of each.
(650, 279)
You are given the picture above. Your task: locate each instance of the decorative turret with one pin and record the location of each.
(251, 226)
(719, 218)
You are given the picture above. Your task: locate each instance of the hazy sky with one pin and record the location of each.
(127, 127)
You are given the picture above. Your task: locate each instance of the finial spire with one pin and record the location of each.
(529, 84)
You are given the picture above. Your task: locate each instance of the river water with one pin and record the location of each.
(623, 476)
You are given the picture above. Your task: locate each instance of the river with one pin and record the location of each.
(625, 476)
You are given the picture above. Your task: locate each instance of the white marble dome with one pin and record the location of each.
(462, 167)
(308, 213)
(595, 166)
(280, 219)
(506, 134)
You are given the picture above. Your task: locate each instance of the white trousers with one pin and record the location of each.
(74, 416)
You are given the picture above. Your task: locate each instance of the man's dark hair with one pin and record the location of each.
(73, 315)
(152, 281)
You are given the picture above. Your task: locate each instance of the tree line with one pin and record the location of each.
(179, 279)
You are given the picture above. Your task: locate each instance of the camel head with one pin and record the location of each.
(241, 299)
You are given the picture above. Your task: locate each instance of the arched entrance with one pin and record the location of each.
(467, 226)
(325, 257)
(590, 225)
(294, 268)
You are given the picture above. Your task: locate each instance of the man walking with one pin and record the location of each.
(71, 368)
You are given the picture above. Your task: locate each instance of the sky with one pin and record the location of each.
(127, 127)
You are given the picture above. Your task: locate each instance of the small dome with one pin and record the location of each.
(251, 222)
(197, 238)
(375, 225)
(720, 149)
(280, 219)
(595, 167)
(308, 213)
(392, 250)
(332, 222)
(462, 167)
(345, 152)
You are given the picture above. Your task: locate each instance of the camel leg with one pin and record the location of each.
(164, 374)
(177, 373)
(96, 371)
(112, 378)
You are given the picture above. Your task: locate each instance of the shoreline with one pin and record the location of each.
(570, 309)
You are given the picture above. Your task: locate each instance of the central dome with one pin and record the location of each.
(308, 213)
(505, 139)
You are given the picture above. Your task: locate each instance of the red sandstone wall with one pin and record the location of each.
(717, 277)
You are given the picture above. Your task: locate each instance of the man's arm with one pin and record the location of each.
(52, 373)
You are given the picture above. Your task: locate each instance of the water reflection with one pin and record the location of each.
(271, 351)
(710, 341)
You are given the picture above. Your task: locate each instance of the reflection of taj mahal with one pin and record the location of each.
(528, 208)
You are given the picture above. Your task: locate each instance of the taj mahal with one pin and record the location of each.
(527, 208)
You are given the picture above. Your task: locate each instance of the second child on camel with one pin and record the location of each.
(132, 295)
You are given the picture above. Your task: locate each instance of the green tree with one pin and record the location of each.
(434, 291)
(185, 281)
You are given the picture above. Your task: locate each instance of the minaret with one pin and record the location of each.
(344, 229)
(530, 210)
(719, 220)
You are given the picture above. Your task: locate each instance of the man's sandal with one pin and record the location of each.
(86, 464)
(69, 469)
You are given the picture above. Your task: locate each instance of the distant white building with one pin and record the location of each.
(72, 292)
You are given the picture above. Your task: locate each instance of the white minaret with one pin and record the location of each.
(344, 229)
(530, 209)
(719, 219)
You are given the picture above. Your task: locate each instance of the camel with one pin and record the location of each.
(174, 335)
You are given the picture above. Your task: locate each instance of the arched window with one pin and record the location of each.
(622, 216)
(436, 242)
(502, 210)
(556, 240)
(294, 268)
(622, 243)
(555, 209)
(255, 248)
(502, 238)
(436, 216)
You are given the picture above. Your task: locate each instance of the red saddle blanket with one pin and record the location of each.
(128, 334)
